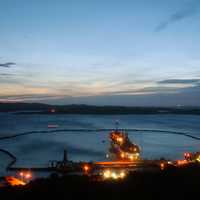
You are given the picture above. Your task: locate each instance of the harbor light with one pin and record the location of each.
(86, 168)
(106, 174)
(114, 175)
(162, 166)
(25, 176)
(122, 174)
(28, 176)
(21, 174)
(182, 162)
(111, 174)
(187, 156)
(198, 158)
(14, 181)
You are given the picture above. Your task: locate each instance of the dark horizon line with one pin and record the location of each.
(96, 105)
(39, 108)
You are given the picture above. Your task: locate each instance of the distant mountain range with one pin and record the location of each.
(37, 108)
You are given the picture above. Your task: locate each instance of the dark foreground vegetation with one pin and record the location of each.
(36, 108)
(182, 183)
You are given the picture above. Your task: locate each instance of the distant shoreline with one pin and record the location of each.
(88, 113)
(36, 108)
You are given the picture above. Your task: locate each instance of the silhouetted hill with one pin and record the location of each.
(35, 108)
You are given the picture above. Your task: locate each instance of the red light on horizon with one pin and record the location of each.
(52, 110)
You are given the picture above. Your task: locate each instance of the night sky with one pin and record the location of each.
(101, 52)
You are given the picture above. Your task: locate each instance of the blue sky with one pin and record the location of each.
(130, 52)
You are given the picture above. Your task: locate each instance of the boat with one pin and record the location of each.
(121, 147)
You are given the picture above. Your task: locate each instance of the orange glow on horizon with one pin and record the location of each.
(120, 162)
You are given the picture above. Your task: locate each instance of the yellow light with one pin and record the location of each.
(137, 154)
(107, 174)
(122, 175)
(122, 155)
(86, 168)
(120, 139)
(131, 157)
(114, 175)
(198, 159)
(162, 166)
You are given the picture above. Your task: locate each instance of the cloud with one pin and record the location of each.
(6, 74)
(7, 65)
(165, 96)
(54, 95)
(182, 14)
(186, 96)
(28, 98)
(180, 81)
(145, 90)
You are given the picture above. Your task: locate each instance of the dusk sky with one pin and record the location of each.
(101, 52)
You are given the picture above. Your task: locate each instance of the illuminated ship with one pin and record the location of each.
(121, 148)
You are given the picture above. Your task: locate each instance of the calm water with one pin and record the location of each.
(38, 149)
